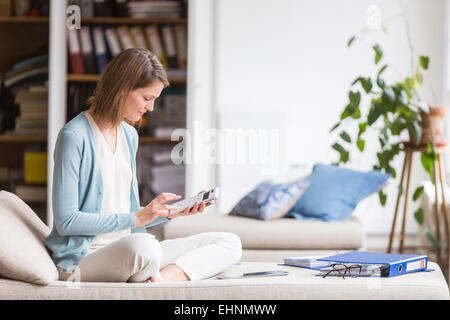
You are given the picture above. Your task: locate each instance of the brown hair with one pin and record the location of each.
(132, 69)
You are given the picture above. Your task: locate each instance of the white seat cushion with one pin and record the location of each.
(284, 233)
(299, 284)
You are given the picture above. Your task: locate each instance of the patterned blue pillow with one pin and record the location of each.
(269, 200)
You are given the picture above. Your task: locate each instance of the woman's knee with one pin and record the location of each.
(144, 246)
(232, 242)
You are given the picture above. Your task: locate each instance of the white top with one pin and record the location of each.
(116, 177)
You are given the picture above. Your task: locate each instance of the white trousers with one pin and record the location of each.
(137, 257)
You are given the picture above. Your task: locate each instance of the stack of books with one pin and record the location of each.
(154, 9)
(157, 172)
(33, 105)
(169, 113)
(27, 71)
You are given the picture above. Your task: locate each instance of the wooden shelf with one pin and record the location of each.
(83, 77)
(42, 138)
(24, 20)
(26, 138)
(159, 140)
(96, 77)
(127, 20)
(98, 20)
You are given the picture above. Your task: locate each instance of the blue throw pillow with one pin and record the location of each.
(270, 200)
(334, 192)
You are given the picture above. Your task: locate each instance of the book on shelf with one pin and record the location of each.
(35, 167)
(77, 98)
(152, 9)
(120, 8)
(4, 178)
(34, 61)
(113, 42)
(75, 55)
(126, 40)
(31, 97)
(101, 54)
(5, 8)
(33, 106)
(87, 8)
(27, 76)
(154, 40)
(169, 46)
(181, 42)
(103, 8)
(92, 48)
(31, 193)
(139, 37)
(167, 178)
(176, 73)
(27, 126)
(164, 131)
(87, 50)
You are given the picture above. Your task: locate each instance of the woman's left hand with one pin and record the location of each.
(198, 207)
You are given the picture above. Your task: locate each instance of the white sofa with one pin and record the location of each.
(27, 272)
(274, 239)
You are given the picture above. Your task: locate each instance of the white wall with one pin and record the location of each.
(285, 64)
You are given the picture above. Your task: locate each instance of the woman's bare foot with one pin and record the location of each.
(170, 273)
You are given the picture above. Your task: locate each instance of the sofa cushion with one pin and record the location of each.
(23, 255)
(299, 284)
(284, 233)
(334, 192)
(269, 200)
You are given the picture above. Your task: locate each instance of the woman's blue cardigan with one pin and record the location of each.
(78, 192)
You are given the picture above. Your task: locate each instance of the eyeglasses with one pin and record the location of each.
(341, 269)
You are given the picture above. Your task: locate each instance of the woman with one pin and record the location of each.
(99, 227)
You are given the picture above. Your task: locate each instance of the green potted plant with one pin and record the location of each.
(394, 108)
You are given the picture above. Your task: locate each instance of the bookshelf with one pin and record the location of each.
(25, 37)
(178, 80)
(21, 38)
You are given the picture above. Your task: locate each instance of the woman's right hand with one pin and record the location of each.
(156, 208)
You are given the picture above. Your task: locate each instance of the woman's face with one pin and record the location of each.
(141, 100)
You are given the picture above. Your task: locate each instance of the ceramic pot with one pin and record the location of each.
(433, 126)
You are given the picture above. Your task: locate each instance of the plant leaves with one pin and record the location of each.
(382, 70)
(424, 61)
(350, 41)
(361, 144)
(433, 239)
(418, 215)
(419, 77)
(344, 154)
(418, 193)
(397, 126)
(416, 132)
(378, 53)
(344, 135)
(362, 128)
(335, 126)
(374, 113)
(427, 163)
(382, 197)
(380, 83)
(355, 98)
